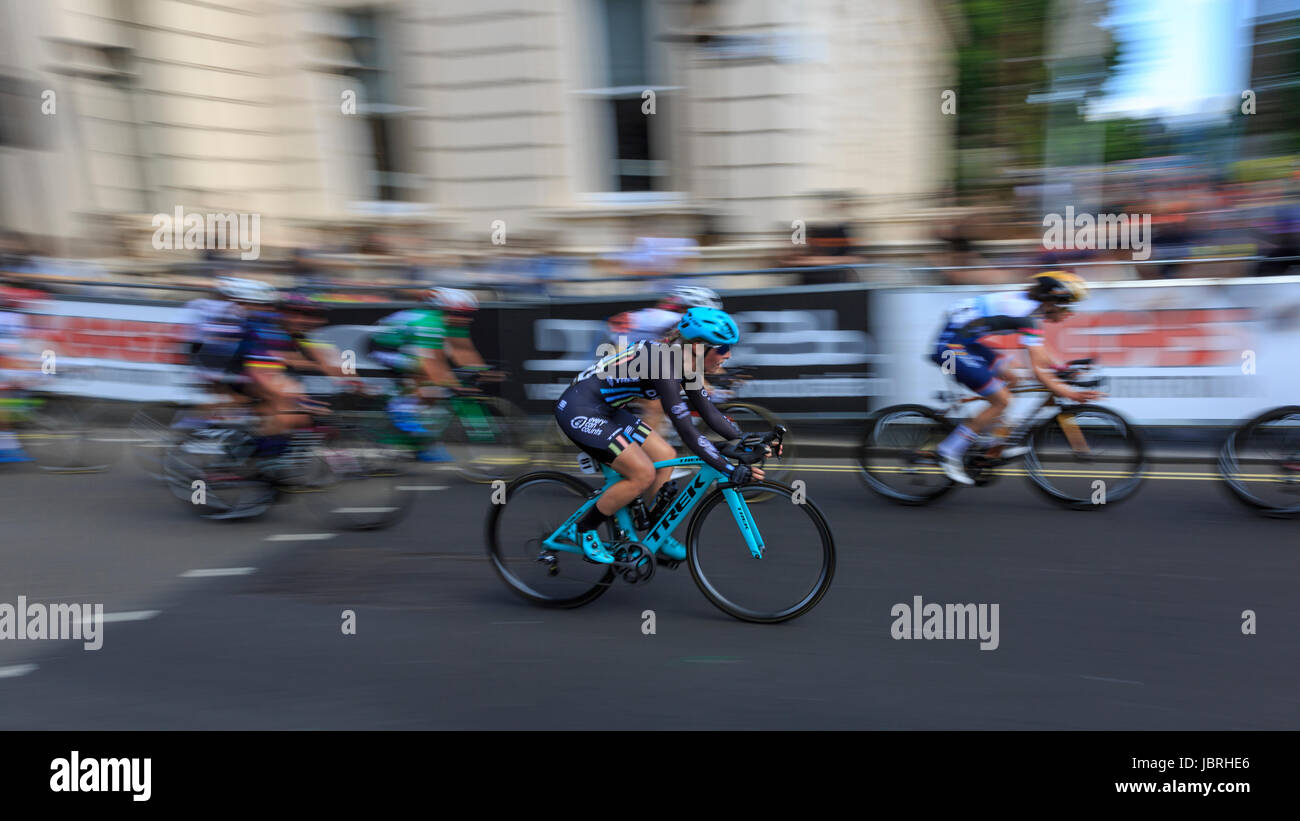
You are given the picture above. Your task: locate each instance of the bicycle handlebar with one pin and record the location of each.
(752, 448)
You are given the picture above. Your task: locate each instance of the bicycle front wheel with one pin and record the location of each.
(69, 436)
(797, 558)
(1086, 457)
(1260, 463)
(535, 505)
(898, 457)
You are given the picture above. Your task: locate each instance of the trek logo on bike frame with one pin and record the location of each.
(683, 501)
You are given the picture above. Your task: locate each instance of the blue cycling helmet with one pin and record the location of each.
(709, 325)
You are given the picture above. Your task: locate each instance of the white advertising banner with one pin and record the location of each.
(110, 350)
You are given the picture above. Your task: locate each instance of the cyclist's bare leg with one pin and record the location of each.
(1004, 370)
(956, 443)
(638, 472)
(658, 449)
(998, 401)
(282, 402)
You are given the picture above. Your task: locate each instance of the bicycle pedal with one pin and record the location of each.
(664, 561)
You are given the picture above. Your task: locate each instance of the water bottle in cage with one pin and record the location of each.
(640, 519)
(662, 499)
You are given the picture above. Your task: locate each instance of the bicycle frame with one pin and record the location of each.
(660, 532)
(1071, 430)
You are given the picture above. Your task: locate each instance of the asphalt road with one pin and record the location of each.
(1124, 617)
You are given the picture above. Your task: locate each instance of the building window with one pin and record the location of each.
(638, 161)
(372, 69)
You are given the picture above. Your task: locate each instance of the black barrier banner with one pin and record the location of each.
(808, 349)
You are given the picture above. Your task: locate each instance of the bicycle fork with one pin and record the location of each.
(748, 528)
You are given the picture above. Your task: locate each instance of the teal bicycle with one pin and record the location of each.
(767, 563)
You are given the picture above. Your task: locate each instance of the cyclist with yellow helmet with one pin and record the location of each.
(961, 352)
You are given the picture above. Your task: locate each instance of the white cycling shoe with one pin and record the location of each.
(954, 469)
(1012, 451)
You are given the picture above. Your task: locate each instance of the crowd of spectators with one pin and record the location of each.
(1201, 226)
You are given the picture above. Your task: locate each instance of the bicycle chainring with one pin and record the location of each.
(634, 561)
(980, 468)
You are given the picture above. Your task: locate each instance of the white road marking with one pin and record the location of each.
(128, 615)
(16, 670)
(421, 487)
(1116, 680)
(217, 571)
(363, 510)
(301, 537)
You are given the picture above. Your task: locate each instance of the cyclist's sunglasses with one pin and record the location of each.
(722, 350)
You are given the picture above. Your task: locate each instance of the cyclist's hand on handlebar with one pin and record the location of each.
(744, 474)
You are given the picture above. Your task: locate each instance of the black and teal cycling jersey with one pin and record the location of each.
(591, 411)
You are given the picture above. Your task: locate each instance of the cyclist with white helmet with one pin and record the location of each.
(963, 350)
(412, 342)
(263, 357)
(593, 413)
(240, 348)
(649, 324)
(458, 309)
(219, 337)
(422, 344)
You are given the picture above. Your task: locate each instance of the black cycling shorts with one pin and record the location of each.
(598, 429)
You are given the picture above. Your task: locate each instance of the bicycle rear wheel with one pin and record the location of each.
(1260, 463)
(797, 564)
(898, 458)
(1086, 457)
(488, 439)
(535, 505)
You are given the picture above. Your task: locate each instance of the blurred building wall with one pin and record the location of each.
(526, 111)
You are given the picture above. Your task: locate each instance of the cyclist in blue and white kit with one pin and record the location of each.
(592, 412)
(959, 351)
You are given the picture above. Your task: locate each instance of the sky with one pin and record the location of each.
(1180, 59)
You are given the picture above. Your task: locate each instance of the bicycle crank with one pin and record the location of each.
(980, 468)
(634, 561)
